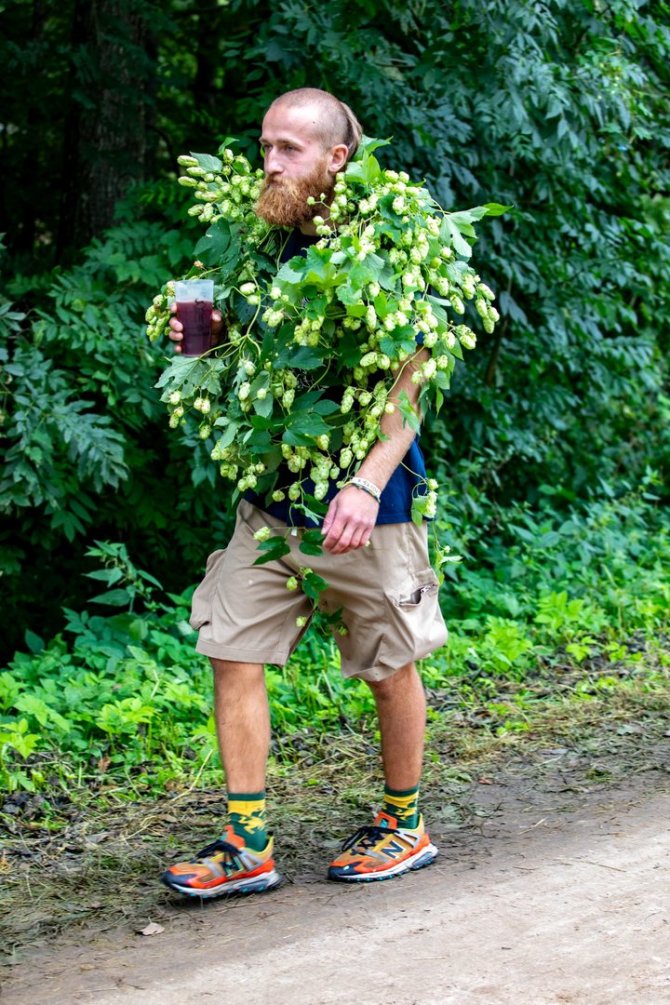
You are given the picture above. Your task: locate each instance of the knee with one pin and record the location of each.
(390, 686)
(231, 673)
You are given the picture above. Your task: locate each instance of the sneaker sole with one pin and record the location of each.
(268, 881)
(423, 858)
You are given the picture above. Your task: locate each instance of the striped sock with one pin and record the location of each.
(403, 805)
(246, 814)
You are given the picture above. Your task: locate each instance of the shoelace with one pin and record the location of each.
(233, 859)
(368, 836)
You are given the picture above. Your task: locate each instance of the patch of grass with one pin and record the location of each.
(123, 700)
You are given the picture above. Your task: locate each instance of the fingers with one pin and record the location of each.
(349, 540)
(349, 522)
(176, 328)
(330, 517)
(217, 328)
(339, 541)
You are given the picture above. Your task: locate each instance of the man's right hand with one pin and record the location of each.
(176, 332)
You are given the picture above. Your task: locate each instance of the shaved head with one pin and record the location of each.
(307, 138)
(334, 122)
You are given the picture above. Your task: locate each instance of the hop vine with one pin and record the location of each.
(314, 346)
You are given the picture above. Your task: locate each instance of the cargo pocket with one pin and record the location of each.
(415, 623)
(423, 585)
(201, 603)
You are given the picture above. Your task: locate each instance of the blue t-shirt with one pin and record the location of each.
(406, 482)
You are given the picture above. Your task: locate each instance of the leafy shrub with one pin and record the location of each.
(562, 410)
(124, 697)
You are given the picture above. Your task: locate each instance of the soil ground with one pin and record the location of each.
(552, 887)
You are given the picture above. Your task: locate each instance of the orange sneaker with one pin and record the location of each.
(223, 867)
(382, 850)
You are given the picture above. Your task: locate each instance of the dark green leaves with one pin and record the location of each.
(408, 414)
(207, 162)
(301, 357)
(220, 247)
(365, 167)
(313, 585)
(273, 549)
(303, 427)
(312, 542)
(292, 271)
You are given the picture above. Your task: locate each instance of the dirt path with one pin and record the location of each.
(557, 904)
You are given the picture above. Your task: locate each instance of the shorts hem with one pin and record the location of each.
(374, 673)
(381, 671)
(219, 651)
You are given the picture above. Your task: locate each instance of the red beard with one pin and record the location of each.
(283, 201)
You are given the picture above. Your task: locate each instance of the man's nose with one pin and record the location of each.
(273, 165)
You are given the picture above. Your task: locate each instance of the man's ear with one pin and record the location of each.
(338, 158)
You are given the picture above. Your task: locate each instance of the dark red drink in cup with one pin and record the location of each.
(194, 299)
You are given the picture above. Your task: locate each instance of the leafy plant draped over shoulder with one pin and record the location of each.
(315, 345)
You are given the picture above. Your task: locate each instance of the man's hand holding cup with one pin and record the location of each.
(195, 327)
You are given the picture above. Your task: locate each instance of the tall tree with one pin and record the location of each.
(556, 107)
(105, 137)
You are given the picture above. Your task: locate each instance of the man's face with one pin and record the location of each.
(296, 166)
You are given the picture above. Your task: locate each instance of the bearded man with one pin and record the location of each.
(375, 561)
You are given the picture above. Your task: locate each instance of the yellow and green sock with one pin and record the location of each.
(403, 804)
(246, 814)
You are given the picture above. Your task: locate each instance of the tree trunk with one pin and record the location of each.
(105, 135)
(28, 165)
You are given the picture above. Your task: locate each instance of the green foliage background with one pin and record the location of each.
(559, 109)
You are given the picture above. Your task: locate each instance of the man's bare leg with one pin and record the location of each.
(242, 723)
(243, 728)
(389, 848)
(401, 707)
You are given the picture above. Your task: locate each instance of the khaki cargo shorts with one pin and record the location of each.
(387, 592)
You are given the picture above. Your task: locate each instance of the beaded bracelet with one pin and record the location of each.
(365, 486)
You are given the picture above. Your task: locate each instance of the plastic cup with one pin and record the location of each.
(195, 299)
